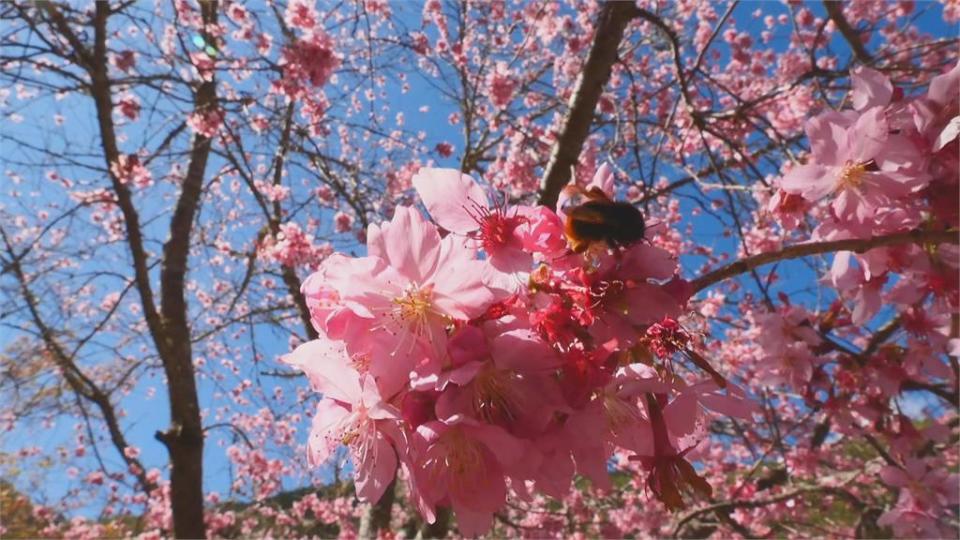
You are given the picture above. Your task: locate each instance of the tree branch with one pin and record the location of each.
(835, 11)
(78, 381)
(184, 440)
(96, 65)
(757, 503)
(611, 23)
(858, 245)
(290, 278)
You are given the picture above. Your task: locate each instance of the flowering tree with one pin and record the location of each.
(602, 269)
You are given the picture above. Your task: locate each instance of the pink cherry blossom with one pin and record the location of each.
(460, 205)
(925, 495)
(857, 161)
(463, 461)
(129, 170)
(350, 413)
(731, 358)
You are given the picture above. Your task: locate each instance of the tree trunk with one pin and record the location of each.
(439, 528)
(611, 23)
(376, 517)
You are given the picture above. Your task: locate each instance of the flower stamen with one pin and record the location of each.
(494, 400)
(852, 173)
(413, 309)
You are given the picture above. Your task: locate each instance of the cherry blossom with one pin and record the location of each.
(297, 270)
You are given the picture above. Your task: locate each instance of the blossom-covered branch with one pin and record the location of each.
(835, 11)
(857, 245)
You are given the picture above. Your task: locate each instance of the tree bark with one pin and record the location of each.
(858, 245)
(611, 23)
(168, 325)
(376, 517)
(184, 439)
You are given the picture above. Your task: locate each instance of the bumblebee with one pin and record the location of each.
(601, 219)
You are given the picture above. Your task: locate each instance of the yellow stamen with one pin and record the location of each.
(361, 362)
(851, 175)
(494, 399)
(414, 308)
(619, 412)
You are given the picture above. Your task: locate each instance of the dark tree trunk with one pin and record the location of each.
(168, 325)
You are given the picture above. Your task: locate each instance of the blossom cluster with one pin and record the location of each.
(889, 165)
(479, 356)
(309, 61)
(292, 246)
(130, 170)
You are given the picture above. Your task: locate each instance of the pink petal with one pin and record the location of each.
(375, 245)
(905, 293)
(681, 414)
(460, 290)
(813, 182)
(391, 363)
(635, 386)
(954, 347)
(555, 474)
(363, 283)
(377, 469)
(867, 138)
(507, 448)
(377, 409)
(948, 135)
(460, 375)
(642, 261)
(453, 403)
(846, 204)
(326, 364)
(588, 425)
(728, 405)
(868, 301)
(603, 179)
(650, 303)
(592, 463)
(455, 249)
(345, 325)
(894, 476)
(468, 345)
(325, 431)
(450, 197)
(826, 132)
(943, 88)
(511, 259)
(870, 88)
(411, 244)
(472, 524)
(523, 351)
(542, 232)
